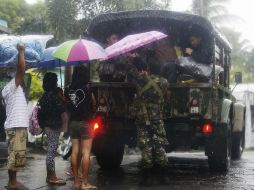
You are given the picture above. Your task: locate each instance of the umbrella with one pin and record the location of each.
(47, 59)
(79, 50)
(132, 42)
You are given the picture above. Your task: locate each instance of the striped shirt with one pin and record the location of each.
(16, 106)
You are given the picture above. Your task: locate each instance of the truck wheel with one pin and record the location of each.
(219, 161)
(238, 144)
(108, 151)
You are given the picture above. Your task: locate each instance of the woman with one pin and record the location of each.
(54, 119)
(81, 103)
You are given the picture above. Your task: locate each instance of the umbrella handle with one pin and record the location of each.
(60, 72)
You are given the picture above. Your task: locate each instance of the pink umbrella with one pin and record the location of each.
(132, 42)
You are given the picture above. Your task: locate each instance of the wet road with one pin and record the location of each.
(186, 171)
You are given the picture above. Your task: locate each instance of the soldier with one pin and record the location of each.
(148, 105)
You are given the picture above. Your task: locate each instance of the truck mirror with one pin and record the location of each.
(238, 77)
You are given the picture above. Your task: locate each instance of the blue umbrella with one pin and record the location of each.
(47, 60)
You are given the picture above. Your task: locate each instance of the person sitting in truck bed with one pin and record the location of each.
(198, 49)
(165, 55)
(112, 70)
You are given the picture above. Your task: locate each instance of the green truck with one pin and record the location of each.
(201, 114)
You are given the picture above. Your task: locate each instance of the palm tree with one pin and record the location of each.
(214, 10)
(209, 8)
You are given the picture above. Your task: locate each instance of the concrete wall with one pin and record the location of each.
(245, 94)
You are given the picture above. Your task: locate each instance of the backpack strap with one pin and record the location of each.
(151, 83)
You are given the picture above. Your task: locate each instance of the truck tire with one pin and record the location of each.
(238, 143)
(108, 151)
(220, 160)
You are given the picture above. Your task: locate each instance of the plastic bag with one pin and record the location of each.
(34, 47)
(198, 71)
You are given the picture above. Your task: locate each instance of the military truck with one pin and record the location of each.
(201, 114)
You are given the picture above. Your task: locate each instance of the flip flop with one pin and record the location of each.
(56, 182)
(88, 186)
(10, 188)
(75, 187)
(16, 188)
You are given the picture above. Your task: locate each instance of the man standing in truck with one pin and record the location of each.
(148, 105)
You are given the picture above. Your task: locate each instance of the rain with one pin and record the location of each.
(110, 94)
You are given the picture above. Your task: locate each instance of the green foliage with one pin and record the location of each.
(247, 77)
(62, 17)
(210, 8)
(14, 12)
(36, 85)
(24, 18)
(241, 59)
(36, 21)
(91, 8)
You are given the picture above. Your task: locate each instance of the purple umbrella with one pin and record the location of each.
(132, 42)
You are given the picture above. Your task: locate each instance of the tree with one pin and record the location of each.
(241, 58)
(209, 8)
(62, 16)
(247, 77)
(13, 11)
(35, 21)
(91, 8)
(214, 10)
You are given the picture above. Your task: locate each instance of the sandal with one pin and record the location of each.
(19, 186)
(58, 181)
(88, 186)
(16, 188)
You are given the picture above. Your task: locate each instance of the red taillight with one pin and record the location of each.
(207, 128)
(102, 101)
(96, 123)
(194, 102)
(96, 126)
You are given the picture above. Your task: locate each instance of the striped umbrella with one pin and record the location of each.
(79, 50)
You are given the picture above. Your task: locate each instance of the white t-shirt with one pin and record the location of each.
(16, 106)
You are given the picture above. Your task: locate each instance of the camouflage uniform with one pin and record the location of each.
(148, 105)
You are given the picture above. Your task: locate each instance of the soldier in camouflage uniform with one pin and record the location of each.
(148, 106)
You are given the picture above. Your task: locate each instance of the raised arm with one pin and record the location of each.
(21, 65)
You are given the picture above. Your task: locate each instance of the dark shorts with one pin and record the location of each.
(80, 130)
